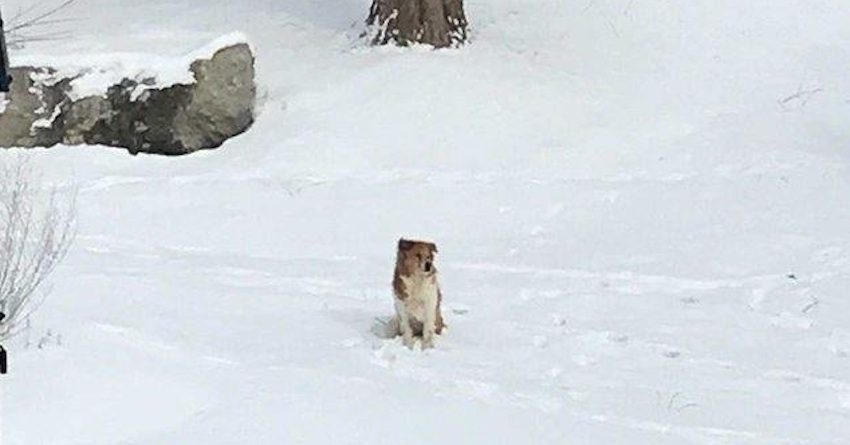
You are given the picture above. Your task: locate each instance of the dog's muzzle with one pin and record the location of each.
(428, 266)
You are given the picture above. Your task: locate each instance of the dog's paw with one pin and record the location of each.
(408, 341)
(427, 343)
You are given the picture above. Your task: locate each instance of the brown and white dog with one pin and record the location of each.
(417, 293)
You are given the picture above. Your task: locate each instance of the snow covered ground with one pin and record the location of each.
(642, 209)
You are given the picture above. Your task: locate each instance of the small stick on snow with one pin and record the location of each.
(811, 305)
(802, 96)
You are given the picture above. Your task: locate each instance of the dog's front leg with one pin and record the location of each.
(404, 324)
(430, 325)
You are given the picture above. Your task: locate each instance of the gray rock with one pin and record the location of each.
(80, 118)
(31, 108)
(222, 102)
(173, 120)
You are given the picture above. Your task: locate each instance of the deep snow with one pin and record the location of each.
(620, 191)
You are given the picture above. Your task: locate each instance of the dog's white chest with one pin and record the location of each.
(421, 295)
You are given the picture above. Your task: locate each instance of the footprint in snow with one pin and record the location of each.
(787, 320)
(583, 360)
(840, 343)
(541, 341)
(458, 309)
(554, 373)
(559, 320)
(671, 354)
(476, 389)
(385, 356)
(618, 338)
(353, 342)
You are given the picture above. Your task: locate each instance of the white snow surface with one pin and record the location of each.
(642, 209)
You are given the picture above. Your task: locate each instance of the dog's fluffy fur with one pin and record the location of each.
(417, 293)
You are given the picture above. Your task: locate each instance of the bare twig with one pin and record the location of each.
(801, 97)
(20, 40)
(811, 305)
(672, 404)
(40, 18)
(29, 24)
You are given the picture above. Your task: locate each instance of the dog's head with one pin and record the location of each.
(416, 256)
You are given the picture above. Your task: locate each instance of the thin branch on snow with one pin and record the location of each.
(800, 97)
(677, 407)
(811, 305)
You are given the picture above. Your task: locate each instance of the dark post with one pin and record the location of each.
(2, 351)
(5, 78)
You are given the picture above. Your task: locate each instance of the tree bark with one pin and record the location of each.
(440, 23)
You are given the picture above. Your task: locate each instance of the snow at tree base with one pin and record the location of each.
(642, 210)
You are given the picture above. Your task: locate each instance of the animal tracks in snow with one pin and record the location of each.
(621, 281)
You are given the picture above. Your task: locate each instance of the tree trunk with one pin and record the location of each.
(440, 23)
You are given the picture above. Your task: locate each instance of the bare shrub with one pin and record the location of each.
(39, 20)
(36, 230)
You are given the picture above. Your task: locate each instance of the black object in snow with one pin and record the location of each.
(5, 78)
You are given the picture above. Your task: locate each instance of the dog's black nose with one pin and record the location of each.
(427, 266)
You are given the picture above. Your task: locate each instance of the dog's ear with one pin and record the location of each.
(433, 247)
(404, 244)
